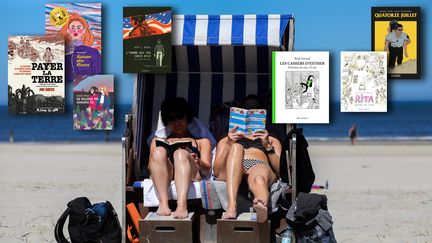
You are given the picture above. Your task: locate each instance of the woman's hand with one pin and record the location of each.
(196, 159)
(233, 135)
(264, 136)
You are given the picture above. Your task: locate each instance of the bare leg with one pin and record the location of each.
(234, 174)
(161, 171)
(259, 179)
(185, 170)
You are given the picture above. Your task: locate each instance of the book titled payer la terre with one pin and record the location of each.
(36, 75)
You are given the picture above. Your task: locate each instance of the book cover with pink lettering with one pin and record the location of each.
(363, 82)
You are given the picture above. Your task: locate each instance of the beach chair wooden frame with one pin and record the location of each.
(210, 65)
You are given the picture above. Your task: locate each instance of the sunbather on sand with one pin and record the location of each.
(184, 164)
(254, 158)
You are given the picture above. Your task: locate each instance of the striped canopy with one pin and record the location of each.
(204, 30)
(216, 58)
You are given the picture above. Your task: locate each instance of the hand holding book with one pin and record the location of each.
(234, 135)
(263, 136)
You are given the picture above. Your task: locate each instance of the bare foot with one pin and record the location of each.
(231, 213)
(163, 210)
(260, 208)
(181, 213)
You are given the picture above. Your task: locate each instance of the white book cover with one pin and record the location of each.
(363, 82)
(300, 87)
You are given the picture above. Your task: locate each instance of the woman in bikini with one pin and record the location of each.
(183, 165)
(254, 158)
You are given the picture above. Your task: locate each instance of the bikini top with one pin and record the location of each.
(251, 143)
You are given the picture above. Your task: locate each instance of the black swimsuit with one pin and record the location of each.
(249, 143)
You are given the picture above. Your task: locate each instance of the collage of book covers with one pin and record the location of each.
(216, 121)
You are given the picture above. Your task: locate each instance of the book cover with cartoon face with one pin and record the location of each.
(80, 24)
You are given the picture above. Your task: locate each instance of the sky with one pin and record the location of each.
(320, 25)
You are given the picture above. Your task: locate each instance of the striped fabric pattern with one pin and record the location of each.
(216, 59)
(199, 30)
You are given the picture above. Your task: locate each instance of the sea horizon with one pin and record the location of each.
(404, 121)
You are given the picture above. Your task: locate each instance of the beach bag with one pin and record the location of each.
(97, 223)
(309, 219)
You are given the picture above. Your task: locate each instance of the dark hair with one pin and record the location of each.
(94, 89)
(137, 19)
(48, 49)
(177, 105)
(399, 25)
(393, 24)
(310, 76)
(252, 102)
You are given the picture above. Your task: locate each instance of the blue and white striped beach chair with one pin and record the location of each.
(216, 59)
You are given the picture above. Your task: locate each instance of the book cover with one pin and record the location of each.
(80, 24)
(147, 39)
(36, 75)
(300, 87)
(93, 103)
(363, 82)
(396, 30)
(172, 146)
(247, 121)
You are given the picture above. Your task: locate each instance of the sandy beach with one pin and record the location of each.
(38, 180)
(378, 192)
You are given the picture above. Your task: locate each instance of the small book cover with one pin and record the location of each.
(363, 82)
(147, 39)
(300, 87)
(36, 75)
(247, 121)
(93, 103)
(172, 146)
(396, 30)
(80, 24)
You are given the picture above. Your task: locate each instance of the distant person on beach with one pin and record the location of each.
(353, 134)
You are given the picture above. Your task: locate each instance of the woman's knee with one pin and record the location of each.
(259, 180)
(159, 154)
(236, 149)
(181, 156)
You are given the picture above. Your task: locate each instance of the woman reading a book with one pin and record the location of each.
(179, 156)
(251, 157)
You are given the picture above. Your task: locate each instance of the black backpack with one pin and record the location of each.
(89, 223)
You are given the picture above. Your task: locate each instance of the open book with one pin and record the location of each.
(172, 146)
(248, 121)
